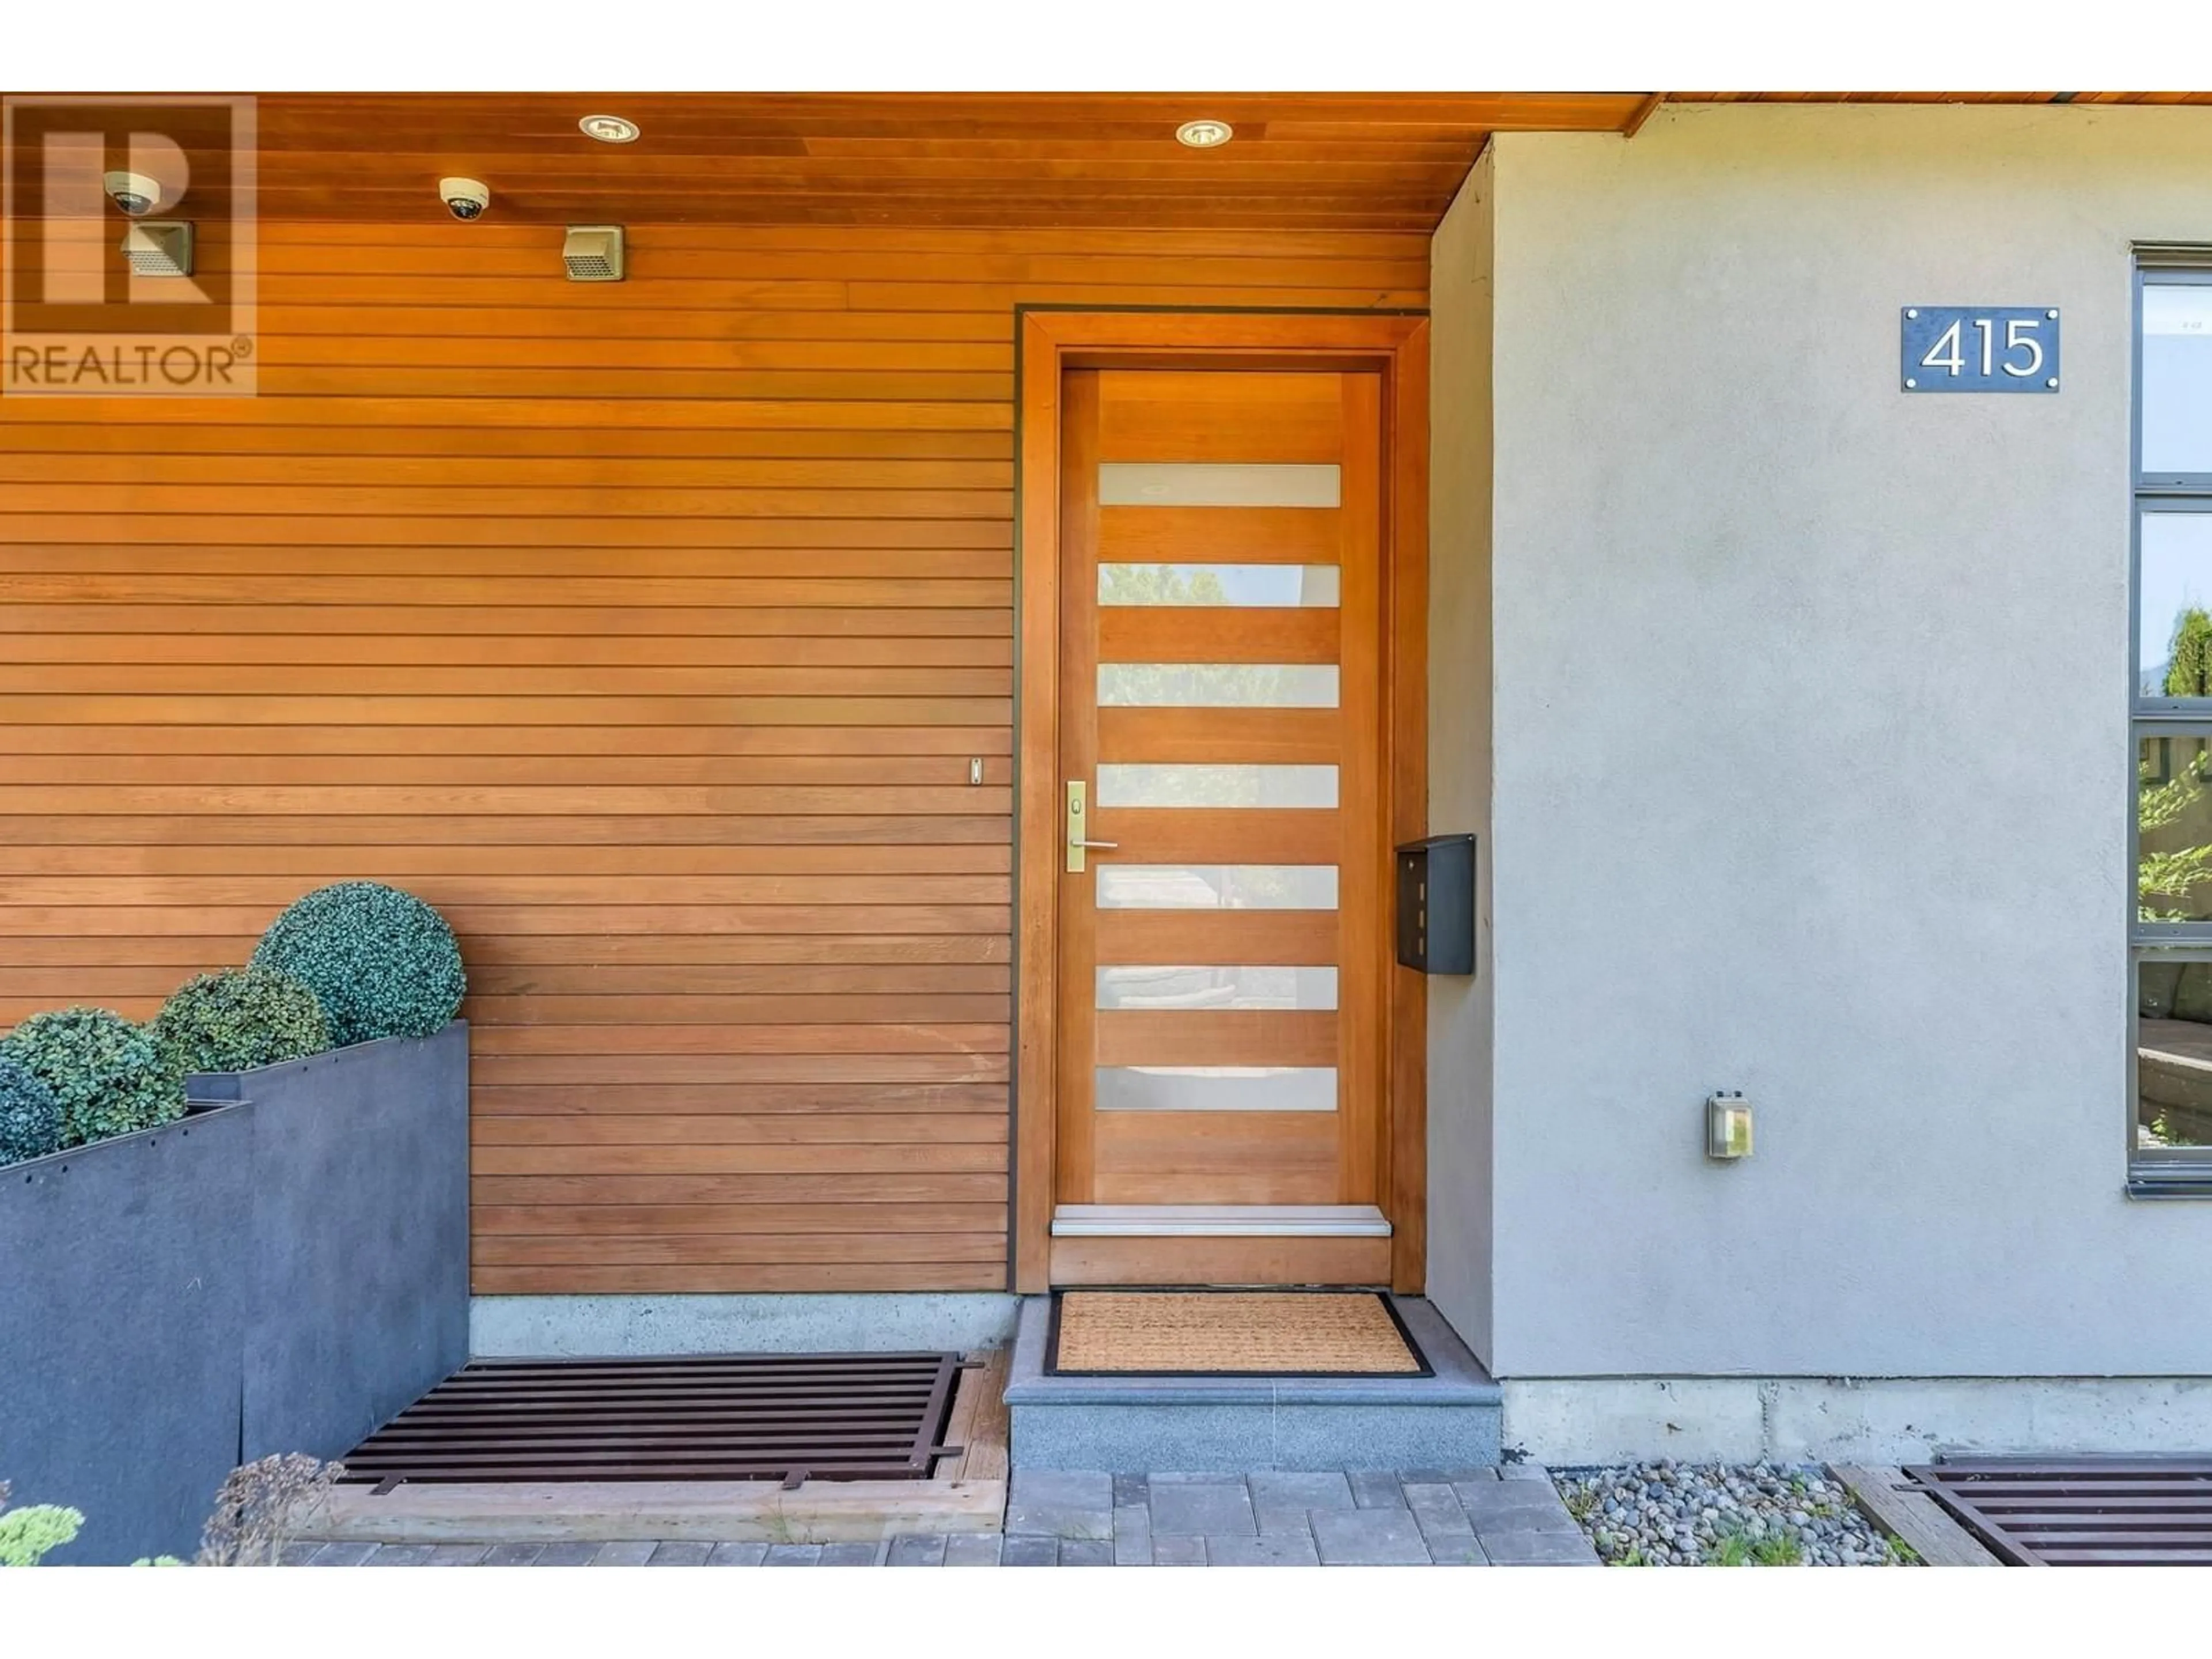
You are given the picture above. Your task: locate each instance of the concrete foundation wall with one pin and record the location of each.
(1569, 1421)
(559, 1326)
(1810, 767)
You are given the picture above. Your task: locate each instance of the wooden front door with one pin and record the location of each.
(1222, 960)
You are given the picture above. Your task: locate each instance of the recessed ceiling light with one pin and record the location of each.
(608, 129)
(1205, 134)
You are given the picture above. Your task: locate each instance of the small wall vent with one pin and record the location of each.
(160, 247)
(593, 253)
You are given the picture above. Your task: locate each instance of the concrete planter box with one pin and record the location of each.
(278, 1272)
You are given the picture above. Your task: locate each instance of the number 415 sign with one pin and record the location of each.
(1980, 349)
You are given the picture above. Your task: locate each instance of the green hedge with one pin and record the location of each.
(30, 1116)
(237, 1019)
(103, 1070)
(381, 962)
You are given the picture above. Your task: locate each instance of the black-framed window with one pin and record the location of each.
(2170, 918)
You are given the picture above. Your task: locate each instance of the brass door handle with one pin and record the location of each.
(1077, 843)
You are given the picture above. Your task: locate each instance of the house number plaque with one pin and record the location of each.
(1979, 349)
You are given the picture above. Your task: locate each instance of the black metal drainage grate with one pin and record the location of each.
(2081, 1511)
(712, 1417)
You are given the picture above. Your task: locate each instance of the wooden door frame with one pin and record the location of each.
(1048, 343)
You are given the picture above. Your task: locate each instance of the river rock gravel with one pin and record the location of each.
(1668, 1514)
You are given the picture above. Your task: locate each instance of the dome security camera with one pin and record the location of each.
(134, 193)
(464, 199)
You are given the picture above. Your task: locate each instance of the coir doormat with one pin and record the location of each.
(1230, 1333)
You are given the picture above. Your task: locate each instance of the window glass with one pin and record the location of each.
(2177, 378)
(1224, 784)
(1207, 483)
(1217, 685)
(2174, 828)
(2173, 1056)
(2170, 1116)
(1216, 886)
(1215, 1088)
(1268, 584)
(2173, 605)
(1202, 988)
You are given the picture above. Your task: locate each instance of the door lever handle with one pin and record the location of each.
(1077, 844)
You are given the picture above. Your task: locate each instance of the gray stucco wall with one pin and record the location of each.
(1811, 765)
(1458, 1117)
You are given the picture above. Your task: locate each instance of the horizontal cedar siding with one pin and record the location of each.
(648, 630)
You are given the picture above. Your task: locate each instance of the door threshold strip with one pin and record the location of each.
(1220, 1221)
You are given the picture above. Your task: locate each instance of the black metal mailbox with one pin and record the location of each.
(1436, 905)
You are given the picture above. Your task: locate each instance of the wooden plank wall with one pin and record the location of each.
(648, 630)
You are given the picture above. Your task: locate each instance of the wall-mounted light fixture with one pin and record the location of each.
(1728, 1125)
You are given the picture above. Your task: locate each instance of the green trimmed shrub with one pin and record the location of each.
(237, 1019)
(30, 1116)
(103, 1069)
(28, 1534)
(382, 962)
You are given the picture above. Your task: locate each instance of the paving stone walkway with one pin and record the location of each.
(1423, 1517)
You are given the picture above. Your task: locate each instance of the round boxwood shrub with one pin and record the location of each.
(382, 962)
(102, 1069)
(237, 1019)
(30, 1116)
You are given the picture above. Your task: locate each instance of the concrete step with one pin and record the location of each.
(1451, 1421)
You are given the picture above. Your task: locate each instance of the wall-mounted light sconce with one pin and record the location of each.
(1728, 1125)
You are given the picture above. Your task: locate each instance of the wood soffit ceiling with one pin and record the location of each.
(1299, 161)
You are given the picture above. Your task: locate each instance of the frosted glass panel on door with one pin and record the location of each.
(1216, 786)
(2177, 378)
(1208, 484)
(1216, 886)
(1304, 989)
(1215, 1088)
(1276, 585)
(2177, 579)
(1217, 685)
